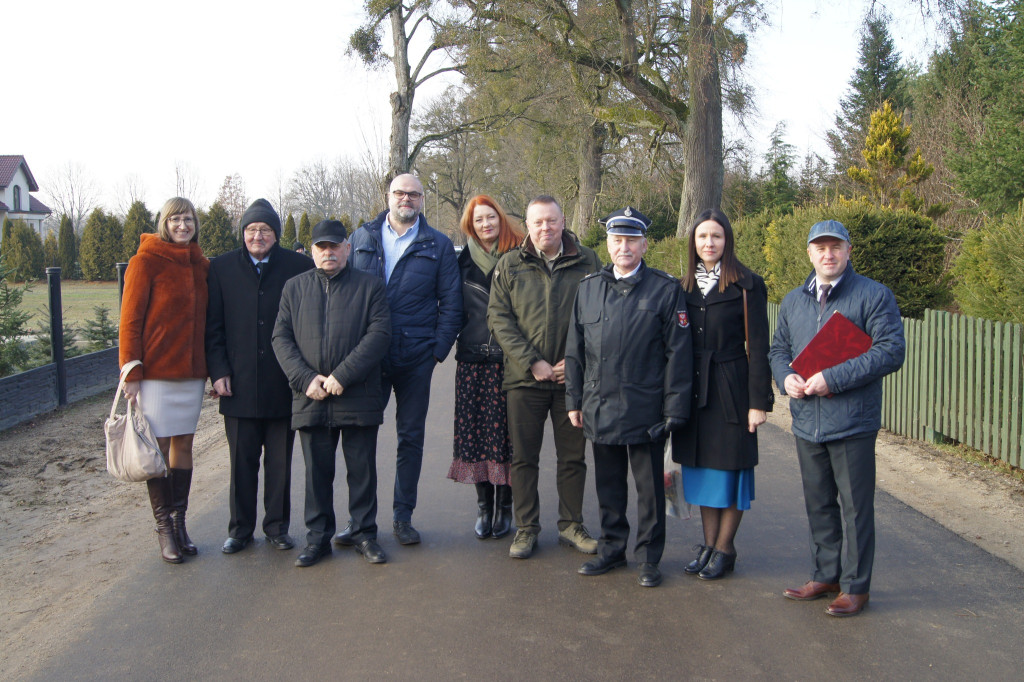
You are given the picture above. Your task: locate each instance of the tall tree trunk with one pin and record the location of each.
(401, 98)
(702, 140)
(591, 152)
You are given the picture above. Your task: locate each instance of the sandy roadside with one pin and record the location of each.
(64, 522)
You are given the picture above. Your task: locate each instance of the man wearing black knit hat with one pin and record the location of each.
(245, 292)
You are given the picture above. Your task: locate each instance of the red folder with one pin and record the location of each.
(836, 342)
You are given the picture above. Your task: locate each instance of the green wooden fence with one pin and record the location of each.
(963, 380)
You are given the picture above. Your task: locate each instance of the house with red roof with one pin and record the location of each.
(16, 200)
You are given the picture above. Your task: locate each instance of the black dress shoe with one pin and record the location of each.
(406, 534)
(282, 542)
(232, 545)
(344, 538)
(719, 564)
(650, 575)
(312, 554)
(372, 552)
(701, 560)
(601, 565)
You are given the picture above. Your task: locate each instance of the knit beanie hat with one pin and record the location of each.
(260, 211)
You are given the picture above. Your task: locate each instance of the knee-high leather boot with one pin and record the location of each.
(181, 483)
(485, 506)
(160, 497)
(502, 511)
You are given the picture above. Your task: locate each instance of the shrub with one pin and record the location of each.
(100, 332)
(897, 247)
(989, 272)
(12, 324)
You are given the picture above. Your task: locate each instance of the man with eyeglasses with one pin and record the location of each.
(245, 292)
(418, 266)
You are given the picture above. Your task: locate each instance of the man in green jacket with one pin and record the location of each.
(530, 307)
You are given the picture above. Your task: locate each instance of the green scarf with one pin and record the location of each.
(485, 260)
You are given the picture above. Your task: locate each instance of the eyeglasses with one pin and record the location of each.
(399, 194)
(178, 220)
(261, 231)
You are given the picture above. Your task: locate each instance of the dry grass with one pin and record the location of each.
(77, 299)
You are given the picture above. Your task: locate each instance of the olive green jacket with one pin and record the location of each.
(530, 307)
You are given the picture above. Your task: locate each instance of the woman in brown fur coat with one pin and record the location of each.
(163, 323)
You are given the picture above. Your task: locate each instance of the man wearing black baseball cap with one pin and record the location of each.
(333, 330)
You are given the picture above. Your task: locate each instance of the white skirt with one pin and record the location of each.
(172, 406)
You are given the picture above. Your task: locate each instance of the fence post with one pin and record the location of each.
(57, 335)
(121, 267)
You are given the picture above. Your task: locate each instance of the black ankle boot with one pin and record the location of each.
(719, 564)
(485, 506)
(160, 498)
(701, 560)
(181, 483)
(502, 525)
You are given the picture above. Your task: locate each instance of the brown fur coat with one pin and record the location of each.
(163, 310)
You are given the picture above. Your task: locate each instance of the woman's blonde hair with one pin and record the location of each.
(175, 206)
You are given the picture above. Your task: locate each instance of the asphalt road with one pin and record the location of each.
(456, 607)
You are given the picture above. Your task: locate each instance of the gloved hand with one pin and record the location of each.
(661, 430)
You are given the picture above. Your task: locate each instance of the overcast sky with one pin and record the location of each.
(124, 88)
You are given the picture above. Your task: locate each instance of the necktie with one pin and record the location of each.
(259, 269)
(824, 289)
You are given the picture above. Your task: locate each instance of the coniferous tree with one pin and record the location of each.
(25, 253)
(40, 350)
(138, 221)
(879, 78)
(5, 238)
(12, 324)
(101, 245)
(67, 249)
(890, 171)
(779, 189)
(217, 235)
(51, 252)
(288, 232)
(100, 331)
(305, 231)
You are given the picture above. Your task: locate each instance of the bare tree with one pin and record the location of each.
(73, 193)
(186, 181)
(232, 197)
(278, 194)
(128, 191)
(315, 188)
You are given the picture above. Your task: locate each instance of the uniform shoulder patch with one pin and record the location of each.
(683, 318)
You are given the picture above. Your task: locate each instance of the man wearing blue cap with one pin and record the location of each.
(837, 413)
(628, 378)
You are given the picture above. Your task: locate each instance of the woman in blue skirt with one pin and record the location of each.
(728, 308)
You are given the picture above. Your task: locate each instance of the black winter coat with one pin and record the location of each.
(339, 326)
(239, 323)
(476, 343)
(628, 364)
(726, 386)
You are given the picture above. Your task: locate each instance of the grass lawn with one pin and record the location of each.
(77, 298)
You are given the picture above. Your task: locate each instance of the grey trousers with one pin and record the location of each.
(839, 493)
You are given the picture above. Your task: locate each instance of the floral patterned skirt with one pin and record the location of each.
(482, 447)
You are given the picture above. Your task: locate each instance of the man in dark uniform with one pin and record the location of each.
(245, 291)
(628, 375)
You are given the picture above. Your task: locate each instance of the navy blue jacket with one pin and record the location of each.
(856, 404)
(424, 292)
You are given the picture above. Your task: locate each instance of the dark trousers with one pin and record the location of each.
(611, 467)
(247, 440)
(839, 492)
(528, 409)
(319, 450)
(412, 395)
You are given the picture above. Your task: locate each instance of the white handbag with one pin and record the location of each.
(132, 450)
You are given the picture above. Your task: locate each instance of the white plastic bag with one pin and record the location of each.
(675, 504)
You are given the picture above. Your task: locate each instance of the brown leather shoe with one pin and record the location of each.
(848, 604)
(810, 590)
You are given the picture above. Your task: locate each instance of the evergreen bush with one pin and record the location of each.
(989, 272)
